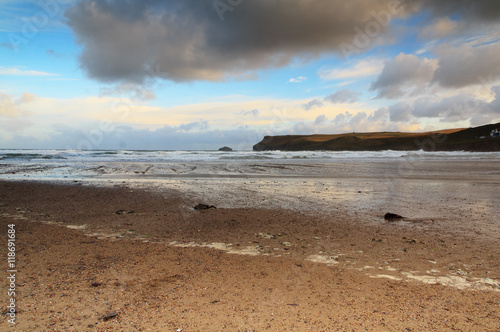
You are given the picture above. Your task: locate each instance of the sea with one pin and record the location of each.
(21, 156)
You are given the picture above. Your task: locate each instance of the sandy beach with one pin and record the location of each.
(259, 165)
(125, 258)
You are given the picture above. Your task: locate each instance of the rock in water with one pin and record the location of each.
(204, 207)
(392, 216)
(225, 148)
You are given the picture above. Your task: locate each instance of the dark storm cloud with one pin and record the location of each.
(218, 39)
(187, 40)
(484, 10)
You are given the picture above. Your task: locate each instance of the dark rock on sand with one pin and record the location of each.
(392, 216)
(225, 148)
(124, 212)
(204, 207)
(109, 316)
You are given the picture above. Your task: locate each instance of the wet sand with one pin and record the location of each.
(161, 265)
(440, 195)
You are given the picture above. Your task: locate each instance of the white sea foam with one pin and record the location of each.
(16, 156)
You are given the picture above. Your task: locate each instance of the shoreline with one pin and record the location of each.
(450, 196)
(291, 264)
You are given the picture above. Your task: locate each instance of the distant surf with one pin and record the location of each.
(22, 156)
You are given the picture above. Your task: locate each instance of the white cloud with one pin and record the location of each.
(7, 107)
(182, 137)
(297, 79)
(17, 71)
(458, 108)
(363, 68)
(406, 74)
(10, 106)
(350, 122)
(130, 90)
(253, 113)
(320, 119)
(312, 104)
(13, 117)
(343, 96)
(464, 69)
(380, 114)
(440, 28)
(400, 112)
(112, 122)
(467, 65)
(452, 109)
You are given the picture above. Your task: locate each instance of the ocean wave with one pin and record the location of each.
(218, 156)
(245, 157)
(28, 156)
(452, 155)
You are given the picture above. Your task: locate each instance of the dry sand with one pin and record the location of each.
(159, 265)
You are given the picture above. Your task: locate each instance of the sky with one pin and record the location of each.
(202, 74)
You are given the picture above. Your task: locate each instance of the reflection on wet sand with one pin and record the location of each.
(454, 195)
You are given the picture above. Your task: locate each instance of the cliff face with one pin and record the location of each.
(264, 144)
(444, 140)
